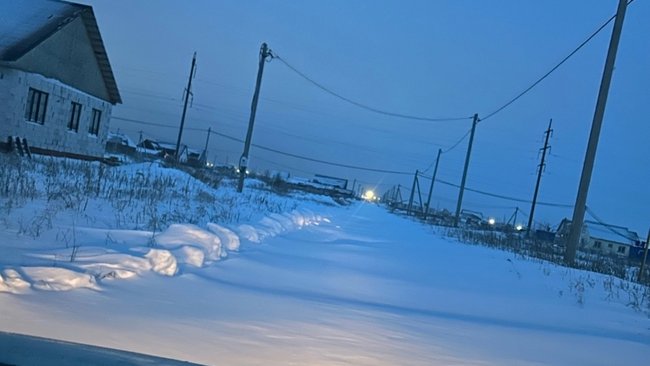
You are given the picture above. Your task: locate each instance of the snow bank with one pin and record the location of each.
(128, 257)
(162, 262)
(59, 279)
(113, 265)
(229, 239)
(276, 224)
(10, 281)
(178, 235)
(188, 254)
(249, 233)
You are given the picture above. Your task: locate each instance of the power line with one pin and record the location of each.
(449, 149)
(457, 142)
(553, 68)
(364, 106)
(607, 226)
(495, 195)
(355, 167)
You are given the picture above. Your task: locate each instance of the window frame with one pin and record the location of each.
(36, 106)
(96, 117)
(75, 117)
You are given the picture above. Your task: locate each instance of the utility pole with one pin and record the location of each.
(188, 91)
(464, 179)
(433, 180)
(540, 171)
(207, 139)
(415, 180)
(205, 149)
(139, 147)
(645, 257)
(243, 161)
(587, 169)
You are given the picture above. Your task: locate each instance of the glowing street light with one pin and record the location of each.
(492, 221)
(519, 227)
(369, 195)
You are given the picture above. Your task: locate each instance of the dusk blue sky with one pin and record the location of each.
(429, 58)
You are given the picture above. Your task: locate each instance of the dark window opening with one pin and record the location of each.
(73, 124)
(94, 125)
(36, 106)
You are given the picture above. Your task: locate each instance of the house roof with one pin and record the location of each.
(27, 23)
(617, 234)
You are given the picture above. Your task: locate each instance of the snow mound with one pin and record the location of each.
(162, 262)
(276, 224)
(228, 238)
(10, 281)
(59, 279)
(114, 265)
(249, 233)
(188, 254)
(178, 235)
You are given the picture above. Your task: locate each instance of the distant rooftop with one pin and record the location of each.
(613, 233)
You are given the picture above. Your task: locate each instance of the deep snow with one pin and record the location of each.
(319, 284)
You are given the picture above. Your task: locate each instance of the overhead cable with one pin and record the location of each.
(362, 105)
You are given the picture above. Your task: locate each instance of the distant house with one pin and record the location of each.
(602, 238)
(471, 218)
(120, 143)
(169, 148)
(57, 88)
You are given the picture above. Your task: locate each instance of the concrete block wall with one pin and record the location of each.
(53, 134)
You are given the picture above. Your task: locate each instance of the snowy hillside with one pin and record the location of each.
(160, 263)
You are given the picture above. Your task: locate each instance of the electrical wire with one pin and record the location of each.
(565, 59)
(457, 142)
(355, 167)
(607, 226)
(361, 105)
(448, 150)
(296, 156)
(495, 195)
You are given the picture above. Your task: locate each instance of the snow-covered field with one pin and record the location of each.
(261, 279)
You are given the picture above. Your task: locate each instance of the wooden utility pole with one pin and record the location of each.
(205, 149)
(207, 139)
(188, 92)
(645, 257)
(540, 171)
(459, 204)
(588, 167)
(433, 180)
(415, 180)
(243, 161)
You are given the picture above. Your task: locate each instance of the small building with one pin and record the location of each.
(169, 148)
(602, 238)
(57, 87)
(120, 143)
(471, 218)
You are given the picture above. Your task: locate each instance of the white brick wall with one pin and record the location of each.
(53, 134)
